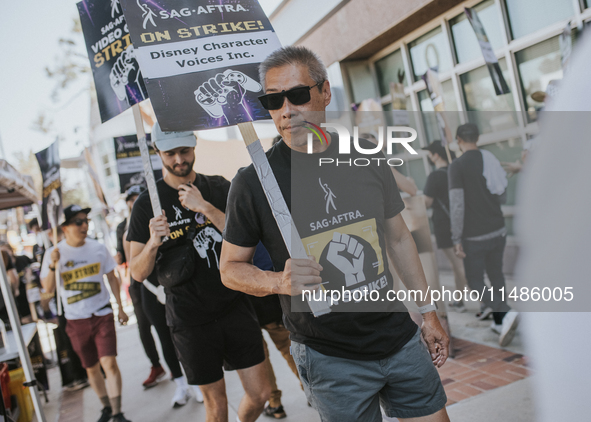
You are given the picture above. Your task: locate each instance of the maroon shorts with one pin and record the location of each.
(92, 338)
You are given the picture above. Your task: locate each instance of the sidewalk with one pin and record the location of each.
(483, 382)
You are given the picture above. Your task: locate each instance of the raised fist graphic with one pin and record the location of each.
(223, 96)
(126, 78)
(346, 254)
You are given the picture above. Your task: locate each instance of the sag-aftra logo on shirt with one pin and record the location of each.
(86, 289)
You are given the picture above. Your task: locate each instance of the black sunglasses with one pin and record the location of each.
(296, 96)
(80, 221)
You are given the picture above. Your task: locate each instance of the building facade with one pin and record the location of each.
(366, 44)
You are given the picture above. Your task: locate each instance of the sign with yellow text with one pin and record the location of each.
(116, 72)
(200, 59)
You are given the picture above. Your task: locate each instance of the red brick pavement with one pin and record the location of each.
(476, 369)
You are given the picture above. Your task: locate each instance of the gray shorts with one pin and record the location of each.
(406, 384)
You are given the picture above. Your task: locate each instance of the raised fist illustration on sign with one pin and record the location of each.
(126, 78)
(223, 96)
(352, 268)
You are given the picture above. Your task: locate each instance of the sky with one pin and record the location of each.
(29, 42)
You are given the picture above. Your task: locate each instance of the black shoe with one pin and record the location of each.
(484, 314)
(275, 412)
(120, 418)
(106, 414)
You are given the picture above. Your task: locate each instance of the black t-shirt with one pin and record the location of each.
(120, 231)
(436, 188)
(121, 227)
(482, 209)
(331, 207)
(266, 308)
(204, 298)
(21, 263)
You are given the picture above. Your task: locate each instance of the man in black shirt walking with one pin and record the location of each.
(477, 187)
(357, 356)
(437, 197)
(210, 324)
(150, 312)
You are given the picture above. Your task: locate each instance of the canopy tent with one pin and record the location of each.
(16, 189)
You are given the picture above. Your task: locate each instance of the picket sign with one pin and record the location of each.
(145, 153)
(201, 70)
(58, 285)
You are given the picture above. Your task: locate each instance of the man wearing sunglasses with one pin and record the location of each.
(362, 354)
(87, 306)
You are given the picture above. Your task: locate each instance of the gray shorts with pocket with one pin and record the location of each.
(406, 384)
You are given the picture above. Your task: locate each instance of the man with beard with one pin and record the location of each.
(210, 324)
(363, 354)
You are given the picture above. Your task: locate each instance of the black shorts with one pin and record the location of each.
(443, 237)
(235, 339)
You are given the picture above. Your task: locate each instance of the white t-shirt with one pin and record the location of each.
(83, 291)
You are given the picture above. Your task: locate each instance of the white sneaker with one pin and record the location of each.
(497, 328)
(181, 396)
(510, 323)
(198, 394)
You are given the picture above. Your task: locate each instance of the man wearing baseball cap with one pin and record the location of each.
(210, 324)
(82, 264)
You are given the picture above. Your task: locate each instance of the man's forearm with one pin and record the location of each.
(456, 209)
(247, 278)
(217, 217)
(116, 289)
(407, 263)
(48, 283)
(142, 265)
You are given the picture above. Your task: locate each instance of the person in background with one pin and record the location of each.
(152, 312)
(135, 292)
(22, 265)
(437, 197)
(38, 247)
(517, 166)
(270, 316)
(477, 187)
(12, 280)
(82, 264)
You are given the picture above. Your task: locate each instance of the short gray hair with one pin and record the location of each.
(295, 56)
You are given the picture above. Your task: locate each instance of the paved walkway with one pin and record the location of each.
(483, 382)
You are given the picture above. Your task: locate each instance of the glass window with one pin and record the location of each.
(407, 118)
(527, 16)
(538, 65)
(489, 111)
(416, 168)
(388, 107)
(430, 51)
(362, 82)
(465, 42)
(387, 70)
(429, 118)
